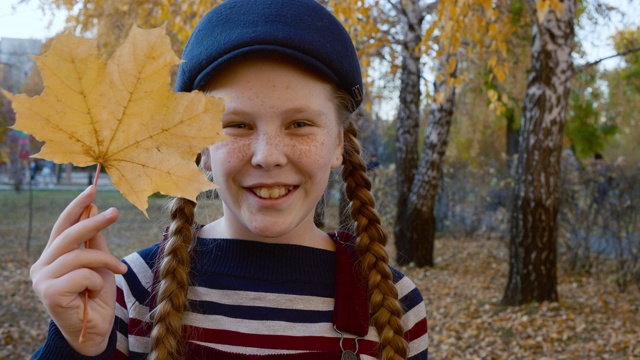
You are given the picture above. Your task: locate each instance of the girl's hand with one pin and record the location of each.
(65, 269)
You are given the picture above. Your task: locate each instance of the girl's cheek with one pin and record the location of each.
(231, 150)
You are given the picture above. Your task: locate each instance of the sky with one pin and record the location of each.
(27, 21)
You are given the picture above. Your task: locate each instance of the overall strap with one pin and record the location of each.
(351, 308)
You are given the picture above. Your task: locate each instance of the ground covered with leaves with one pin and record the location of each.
(592, 320)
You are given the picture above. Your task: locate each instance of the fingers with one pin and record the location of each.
(84, 258)
(73, 237)
(67, 288)
(73, 212)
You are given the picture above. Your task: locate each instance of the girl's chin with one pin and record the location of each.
(277, 231)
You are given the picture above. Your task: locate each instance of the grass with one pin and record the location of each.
(131, 231)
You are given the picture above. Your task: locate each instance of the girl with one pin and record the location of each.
(262, 282)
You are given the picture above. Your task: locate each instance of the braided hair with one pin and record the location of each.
(370, 249)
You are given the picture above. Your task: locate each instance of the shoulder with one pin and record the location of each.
(414, 319)
(139, 276)
(142, 259)
(408, 293)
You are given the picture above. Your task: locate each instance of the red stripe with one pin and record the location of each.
(120, 298)
(138, 327)
(278, 342)
(419, 329)
(118, 355)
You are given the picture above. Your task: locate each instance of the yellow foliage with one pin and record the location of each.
(544, 6)
(493, 61)
(451, 66)
(122, 114)
(493, 95)
(500, 71)
(478, 24)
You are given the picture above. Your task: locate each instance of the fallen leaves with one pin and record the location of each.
(462, 294)
(122, 115)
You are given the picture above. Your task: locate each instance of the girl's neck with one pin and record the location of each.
(312, 237)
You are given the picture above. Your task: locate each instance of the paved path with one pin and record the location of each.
(79, 181)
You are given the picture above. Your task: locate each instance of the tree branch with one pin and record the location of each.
(594, 63)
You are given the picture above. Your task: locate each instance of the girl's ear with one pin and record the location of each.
(205, 160)
(338, 155)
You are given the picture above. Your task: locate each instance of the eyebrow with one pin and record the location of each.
(295, 111)
(308, 111)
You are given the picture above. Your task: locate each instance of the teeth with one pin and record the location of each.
(272, 192)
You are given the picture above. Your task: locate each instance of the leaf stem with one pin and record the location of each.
(85, 313)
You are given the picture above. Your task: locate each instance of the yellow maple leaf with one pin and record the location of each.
(122, 114)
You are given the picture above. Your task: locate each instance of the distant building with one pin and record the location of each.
(15, 61)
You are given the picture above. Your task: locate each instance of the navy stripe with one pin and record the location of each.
(139, 292)
(149, 255)
(412, 299)
(423, 355)
(227, 282)
(137, 356)
(121, 326)
(264, 261)
(260, 313)
(397, 275)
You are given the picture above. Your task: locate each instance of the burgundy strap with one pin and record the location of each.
(351, 309)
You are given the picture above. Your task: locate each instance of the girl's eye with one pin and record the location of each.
(299, 124)
(235, 126)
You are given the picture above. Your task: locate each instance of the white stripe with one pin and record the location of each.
(217, 322)
(418, 345)
(247, 350)
(413, 316)
(122, 313)
(404, 286)
(141, 270)
(247, 298)
(122, 344)
(134, 309)
(139, 344)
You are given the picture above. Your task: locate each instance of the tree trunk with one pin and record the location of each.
(532, 249)
(420, 227)
(408, 123)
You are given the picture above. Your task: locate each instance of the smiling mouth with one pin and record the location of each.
(274, 192)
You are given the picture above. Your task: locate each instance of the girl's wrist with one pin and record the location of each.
(69, 348)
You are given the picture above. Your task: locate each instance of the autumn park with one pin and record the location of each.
(502, 140)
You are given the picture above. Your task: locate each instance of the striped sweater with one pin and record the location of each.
(255, 300)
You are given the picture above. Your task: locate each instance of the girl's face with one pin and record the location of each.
(283, 138)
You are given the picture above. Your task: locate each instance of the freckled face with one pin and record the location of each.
(284, 137)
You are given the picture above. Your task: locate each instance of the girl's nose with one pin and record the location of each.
(268, 151)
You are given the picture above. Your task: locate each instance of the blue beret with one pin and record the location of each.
(302, 30)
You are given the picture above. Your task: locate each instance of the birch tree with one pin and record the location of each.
(481, 27)
(411, 16)
(533, 239)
